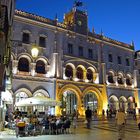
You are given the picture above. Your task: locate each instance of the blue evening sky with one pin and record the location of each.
(118, 19)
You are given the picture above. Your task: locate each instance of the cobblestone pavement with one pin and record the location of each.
(100, 130)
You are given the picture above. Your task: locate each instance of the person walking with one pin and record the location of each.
(88, 114)
(121, 121)
(138, 122)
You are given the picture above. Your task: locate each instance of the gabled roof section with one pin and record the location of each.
(109, 40)
(64, 26)
(34, 17)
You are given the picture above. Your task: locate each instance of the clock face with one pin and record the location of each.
(79, 22)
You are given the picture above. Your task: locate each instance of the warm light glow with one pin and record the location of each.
(48, 74)
(132, 85)
(64, 76)
(97, 80)
(14, 70)
(34, 51)
(86, 80)
(76, 79)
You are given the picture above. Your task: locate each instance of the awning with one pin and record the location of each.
(39, 101)
(2, 77)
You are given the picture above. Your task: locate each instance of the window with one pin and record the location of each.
(40, 67)
(80, 51)
(26, 38)
(120, 79)
(89, 74)
(0, 59)
(79, 73)
(42, 41)
(127, 62)
(70, 48)
(69, 71)
(110, 78)
(139, 71)
(90, 53)
(110, 59)
(128, 81)
(23, 65)
(119, 60)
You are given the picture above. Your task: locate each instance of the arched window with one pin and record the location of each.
(110, 78)
(128, 81)
(69, 71)
(23, 64)
(89, 74)
(120, 79)
(40, 67)
(79, 73)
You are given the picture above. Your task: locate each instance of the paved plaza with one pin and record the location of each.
(100, 130)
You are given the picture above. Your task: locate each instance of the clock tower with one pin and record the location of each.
(76, 20)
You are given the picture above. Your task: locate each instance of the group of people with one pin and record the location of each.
(120, 118)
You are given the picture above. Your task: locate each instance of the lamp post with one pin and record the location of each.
(34, 51)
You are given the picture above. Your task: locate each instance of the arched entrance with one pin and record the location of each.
(94, 99)
(123, 103)
(113, 103)
(91, 100)
(131, 104)
(70, 97)
(42, 108)
(69, 102)
(20, 95)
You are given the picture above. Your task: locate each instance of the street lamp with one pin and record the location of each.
(34, 51)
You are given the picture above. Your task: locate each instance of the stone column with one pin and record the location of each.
(96, 78)
(15, 66)
(115, 80)
(124, 81)
(33, 69)
(64, 76)
(135, 78)
(74, 74)
(84, 75)
(104, 72)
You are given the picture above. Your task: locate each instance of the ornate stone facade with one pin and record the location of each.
(78, 67)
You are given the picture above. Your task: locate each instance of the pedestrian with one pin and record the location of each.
(74, 118)
(138, 123)
(88, 114)
(121, 121)
(107, 113)
(134, 114)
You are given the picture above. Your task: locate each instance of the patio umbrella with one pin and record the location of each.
(38, 100)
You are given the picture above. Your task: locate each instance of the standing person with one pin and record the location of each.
(121, 121)
(88, 114)
(138, 123)
(74, 119)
